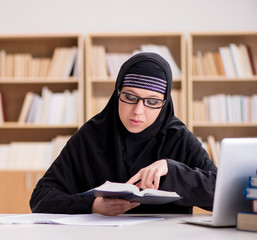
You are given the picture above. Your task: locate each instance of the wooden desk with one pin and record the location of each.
(170, 228)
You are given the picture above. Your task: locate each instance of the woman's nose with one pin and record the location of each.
(139, 107)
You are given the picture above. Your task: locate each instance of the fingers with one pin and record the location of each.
(117, 209)
(112, 207)
(118, 206)
(149, 177)
(157, 178)
(144, 178)
(134, 179)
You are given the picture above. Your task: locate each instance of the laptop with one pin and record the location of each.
(238, 161)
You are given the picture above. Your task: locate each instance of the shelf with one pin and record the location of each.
(38, 80)
(225, 125)
(27, 56)
(15, 125)
(224, 131)
(205, 51)
(111, 80)
(9, 135)
(22, 171)
(222, 79)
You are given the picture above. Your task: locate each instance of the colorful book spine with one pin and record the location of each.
(251, 189)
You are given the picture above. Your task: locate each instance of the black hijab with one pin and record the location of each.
(102, 149)
(128, 152)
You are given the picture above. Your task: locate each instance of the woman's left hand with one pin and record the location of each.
(149, 177)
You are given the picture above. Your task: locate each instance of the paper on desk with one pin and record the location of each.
(81, 219)
(31, 218)
(100, 220)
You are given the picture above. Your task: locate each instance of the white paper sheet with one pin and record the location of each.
(31, 218)
(100, 220)
(80, 219)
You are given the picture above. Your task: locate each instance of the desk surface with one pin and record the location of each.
(170, 228)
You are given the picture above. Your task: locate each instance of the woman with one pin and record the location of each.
(135, 139)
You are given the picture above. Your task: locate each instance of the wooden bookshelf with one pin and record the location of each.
(200, 86)
(210, 84)
(16, 186)
(99, 87)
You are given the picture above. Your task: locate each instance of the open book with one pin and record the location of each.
(132, 193)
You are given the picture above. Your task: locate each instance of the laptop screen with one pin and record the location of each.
(238, 161)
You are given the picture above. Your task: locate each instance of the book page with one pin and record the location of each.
(118, 187)
(154, 192)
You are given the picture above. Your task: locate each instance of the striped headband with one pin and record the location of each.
(145, 82)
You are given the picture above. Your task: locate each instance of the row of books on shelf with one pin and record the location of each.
(49, 108)
(247, 221)
(62, 64)
(107, 64)
(30, 155)
(223, 108)
(234, 60)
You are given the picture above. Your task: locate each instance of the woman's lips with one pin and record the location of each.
(135, 123)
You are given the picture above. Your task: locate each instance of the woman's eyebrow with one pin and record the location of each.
(150, 96)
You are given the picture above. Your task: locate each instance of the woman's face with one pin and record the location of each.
(137, 117)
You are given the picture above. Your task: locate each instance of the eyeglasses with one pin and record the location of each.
(129, 98)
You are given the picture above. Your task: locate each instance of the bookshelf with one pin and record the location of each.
(100, 82)
(16, 80)
(222, 113)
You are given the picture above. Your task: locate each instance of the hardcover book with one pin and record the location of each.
(132, 193)
(251, 189)
(253, 181)
(247, 221)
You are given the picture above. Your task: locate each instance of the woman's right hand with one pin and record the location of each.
(112, 206)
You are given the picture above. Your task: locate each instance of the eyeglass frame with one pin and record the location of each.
(143, 99)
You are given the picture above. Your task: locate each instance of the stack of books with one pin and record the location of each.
(247, 221)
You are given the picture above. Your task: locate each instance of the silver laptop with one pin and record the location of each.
(238, 161)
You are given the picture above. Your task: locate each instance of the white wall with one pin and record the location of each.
(84, 16)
